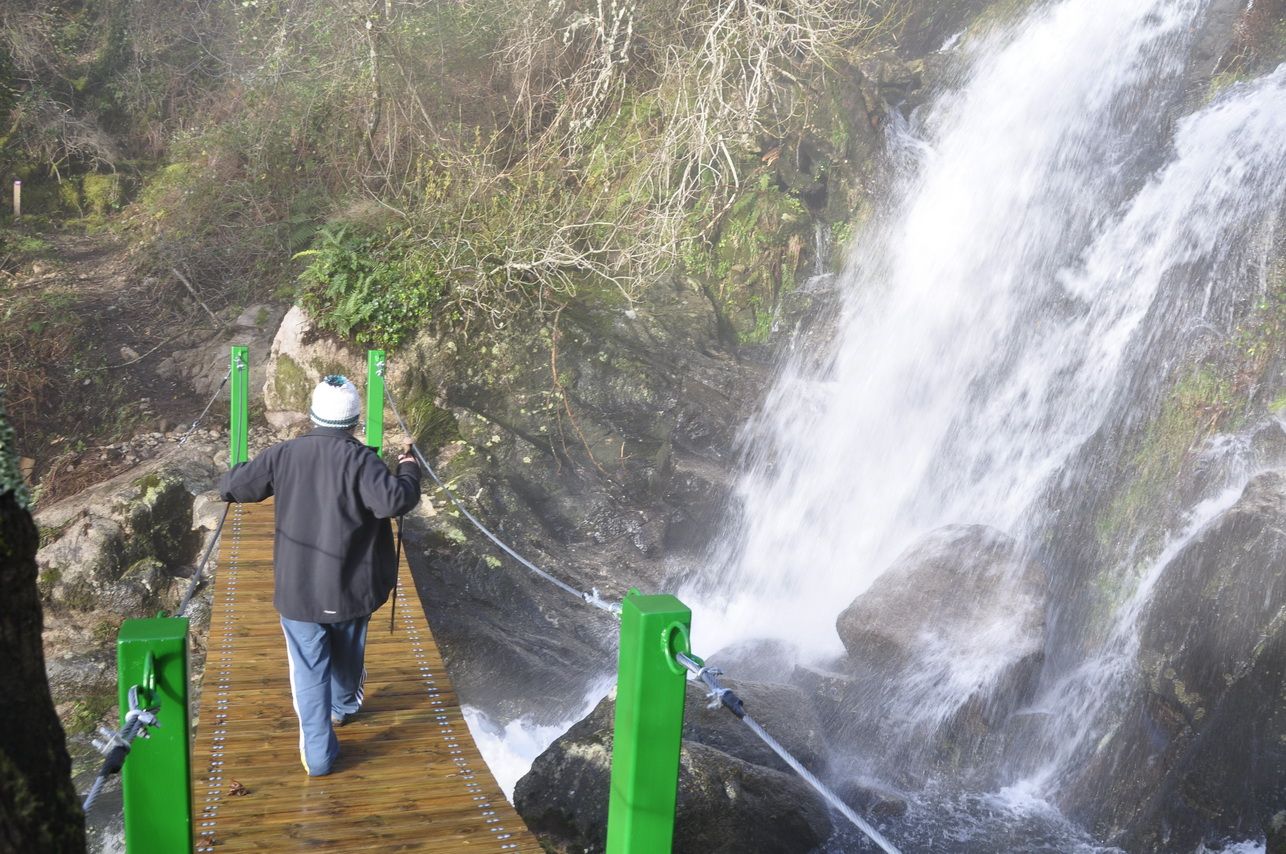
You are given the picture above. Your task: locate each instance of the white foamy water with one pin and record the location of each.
(941, 403)
(1057, 238)
(510, 748)
(994, 324)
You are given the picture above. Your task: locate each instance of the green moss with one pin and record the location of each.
(754, 259)
(105, 631)
(69, 194)
(292, 385)
(1192, 411)
(79, 596)
(48, 580)
(762, 329)
(88, 712)
(148, 483)
(1220, 394)
(103, 193)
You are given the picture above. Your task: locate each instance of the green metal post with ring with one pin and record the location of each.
(156, 780)
(239, 426)
(649, 724)
(375, 400)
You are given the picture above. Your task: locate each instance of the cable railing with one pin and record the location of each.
(655, 742)
(651, 681)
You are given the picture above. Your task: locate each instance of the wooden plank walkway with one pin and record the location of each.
(409, 777)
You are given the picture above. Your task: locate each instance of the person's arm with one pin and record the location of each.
(248, 482)
(386, 494)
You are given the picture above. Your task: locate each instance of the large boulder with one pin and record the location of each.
(733, 794)
(120, 544)
(943, 647)
(1202, 746)
(300, 356)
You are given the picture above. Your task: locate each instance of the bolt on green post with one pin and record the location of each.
(239, 427)
(375, 399)
(649, 724)
(156, 780)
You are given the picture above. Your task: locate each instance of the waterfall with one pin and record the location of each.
(1068, 217)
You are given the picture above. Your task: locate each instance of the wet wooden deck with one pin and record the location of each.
(409, 777)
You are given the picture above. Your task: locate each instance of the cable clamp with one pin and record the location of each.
(110, 740)
(145, 719)
(593, 598)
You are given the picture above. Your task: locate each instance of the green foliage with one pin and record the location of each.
(754, 257)
(293, 387)
(377, 289)
(432, 426)
(103, 193)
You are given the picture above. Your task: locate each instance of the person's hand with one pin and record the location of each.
(408, 456)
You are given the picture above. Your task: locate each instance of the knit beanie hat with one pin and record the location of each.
(335, 403)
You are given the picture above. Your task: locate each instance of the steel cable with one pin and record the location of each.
(200, 569)
(591, 598)
(719, 695)
(205, 411)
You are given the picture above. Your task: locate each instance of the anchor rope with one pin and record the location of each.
(198, 576)
(182, 439)
(115, 744)
(720, 695)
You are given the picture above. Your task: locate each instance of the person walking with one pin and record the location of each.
(333, 556)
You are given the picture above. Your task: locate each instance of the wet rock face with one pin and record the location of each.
(949, 589)
(942, 649)
(599, 447)
(1206, 727)
(732, 797)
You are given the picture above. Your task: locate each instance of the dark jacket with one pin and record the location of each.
(333, 558)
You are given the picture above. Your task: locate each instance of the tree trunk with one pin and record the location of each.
(39, 810)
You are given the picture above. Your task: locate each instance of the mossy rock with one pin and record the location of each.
(89, 711)
(293, 386)
(103, 194)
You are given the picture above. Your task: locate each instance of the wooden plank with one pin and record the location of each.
(409, 777)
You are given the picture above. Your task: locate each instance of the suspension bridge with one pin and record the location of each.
(409, 777)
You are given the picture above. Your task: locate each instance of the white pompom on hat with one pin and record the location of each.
(335, 403)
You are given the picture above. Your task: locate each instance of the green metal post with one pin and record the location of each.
(156, 779)
(649, 724)
(239, 429)
(375, 399)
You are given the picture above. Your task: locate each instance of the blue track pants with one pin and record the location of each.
(326, 676)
